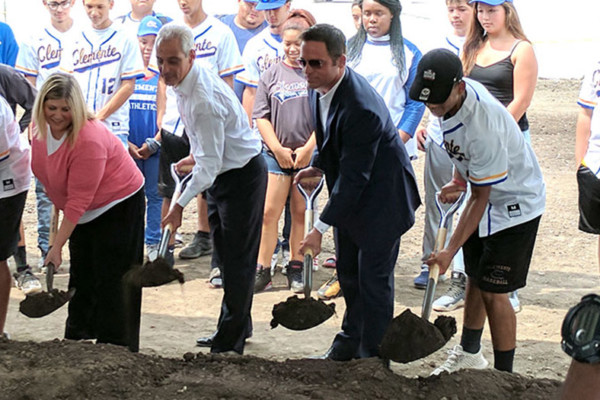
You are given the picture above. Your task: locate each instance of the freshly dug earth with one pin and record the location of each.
(71, 370)
(154, 273)
(41, 304)
(300, 314)
(563, 269)
(410, 337)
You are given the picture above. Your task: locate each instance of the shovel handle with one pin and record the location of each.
(50, 268)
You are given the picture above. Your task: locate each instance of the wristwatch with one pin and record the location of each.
(581, 330)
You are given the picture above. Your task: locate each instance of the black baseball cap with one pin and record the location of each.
(437, 73)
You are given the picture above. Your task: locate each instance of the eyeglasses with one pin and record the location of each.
(54, 5)
(313, 63)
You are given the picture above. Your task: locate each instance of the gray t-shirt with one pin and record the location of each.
(282, 98)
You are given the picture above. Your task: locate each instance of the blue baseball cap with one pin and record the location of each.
(491, 2)
(149, 25)
(270, 4)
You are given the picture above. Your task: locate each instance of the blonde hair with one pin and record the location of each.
(61, 86)
(477, 35)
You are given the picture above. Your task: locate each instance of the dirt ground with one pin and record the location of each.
(35, 365)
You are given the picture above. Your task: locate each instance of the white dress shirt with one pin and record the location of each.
(217, 126)
(324, 106)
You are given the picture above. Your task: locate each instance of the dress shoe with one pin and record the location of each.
(336, 354)
(206, 341)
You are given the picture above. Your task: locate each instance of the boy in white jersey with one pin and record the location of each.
(39, 56)
(438, 170)
(263, 50)
(587, 153)
(106, 63)
(498, 227)
(130, 22)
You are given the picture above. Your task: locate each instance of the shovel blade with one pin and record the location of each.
(154, 273)
(300, 314)
(41, 304)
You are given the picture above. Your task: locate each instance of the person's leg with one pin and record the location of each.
(44, 209)
(376, 286)
(278, 187)
(5, 285)
(503, 327)
(11, 211)
(153, 208)
(345, 344)
(437, 172)
(236, 201)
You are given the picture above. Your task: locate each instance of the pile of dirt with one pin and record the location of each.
(78, 370)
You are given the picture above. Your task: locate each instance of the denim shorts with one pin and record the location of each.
(273, 166)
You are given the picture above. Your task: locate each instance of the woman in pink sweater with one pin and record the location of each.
(89, 175)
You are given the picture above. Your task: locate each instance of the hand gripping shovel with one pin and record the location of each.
(301, 314)
(41, 304)
(158, 272)
(409, 337)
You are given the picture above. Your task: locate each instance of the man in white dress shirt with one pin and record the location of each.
(225, 154)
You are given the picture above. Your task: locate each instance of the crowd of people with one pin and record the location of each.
(253, 102)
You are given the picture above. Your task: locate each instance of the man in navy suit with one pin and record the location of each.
(373, 193)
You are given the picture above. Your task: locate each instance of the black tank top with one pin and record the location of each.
(498, 80)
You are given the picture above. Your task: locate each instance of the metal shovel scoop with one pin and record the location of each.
(158, 272)
(409, 337)
(295, 313)
(44, 303)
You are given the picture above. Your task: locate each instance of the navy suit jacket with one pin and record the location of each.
(372, 188)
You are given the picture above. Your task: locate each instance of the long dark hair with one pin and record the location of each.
(356, 42)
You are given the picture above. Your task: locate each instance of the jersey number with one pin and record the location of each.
(108, 86)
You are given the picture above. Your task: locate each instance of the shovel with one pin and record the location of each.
(158, 272)
(295, 313)
(409, 337)
(41, 304)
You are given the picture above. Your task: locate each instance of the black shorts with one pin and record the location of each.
(500, 263)
(11, 211)
(589, 200)
(173, 148)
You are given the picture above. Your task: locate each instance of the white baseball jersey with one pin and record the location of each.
(588, 98)
(434, 133)
(261, 52)
(377, 65)
(15, 168)
(131, 26)
(487, 148)
(41, 54)
(100, 61)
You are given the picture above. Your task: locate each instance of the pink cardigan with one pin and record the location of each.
(96, 171)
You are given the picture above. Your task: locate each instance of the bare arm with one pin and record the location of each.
(248, 101)
(468, 223)
(524, 79)
(228, 80)
(161, 102)
(120, 97)
(582, 134)
(64, 233)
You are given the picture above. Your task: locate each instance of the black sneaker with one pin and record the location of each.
(200, 246)
(294, 274)
(263, 279)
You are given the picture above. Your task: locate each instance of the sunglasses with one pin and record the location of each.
(54, 5)
(312, 63)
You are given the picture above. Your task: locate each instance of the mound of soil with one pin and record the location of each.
(78, 370)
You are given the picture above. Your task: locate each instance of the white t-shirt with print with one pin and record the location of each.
(15, 166)
(588, 98)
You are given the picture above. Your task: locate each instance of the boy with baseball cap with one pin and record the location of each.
(498, 227)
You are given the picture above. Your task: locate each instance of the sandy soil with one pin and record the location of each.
(564, 268)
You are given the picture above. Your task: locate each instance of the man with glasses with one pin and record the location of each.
(246, 24)
(373, 191)
(41, 55)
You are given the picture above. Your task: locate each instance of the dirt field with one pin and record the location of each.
(564, 268)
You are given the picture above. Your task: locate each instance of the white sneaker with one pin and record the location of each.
(514, 301)
(459, 359)
(455, 296)
(152, 251)
(27, 282)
